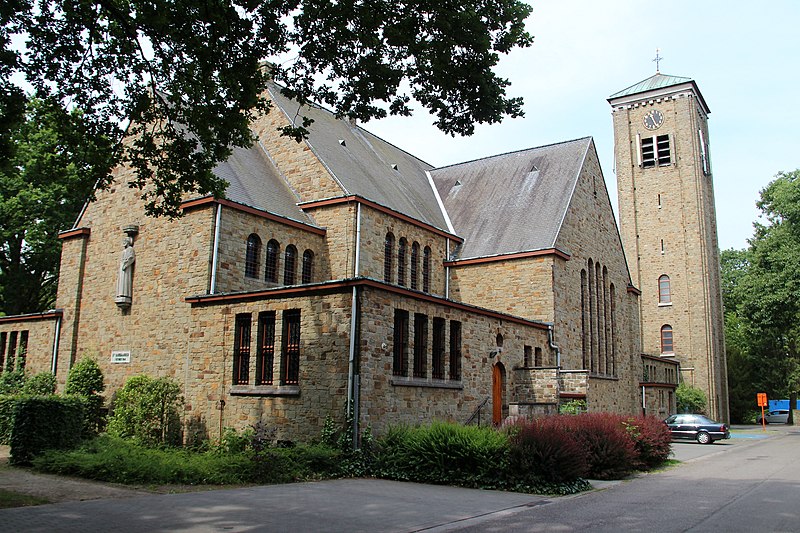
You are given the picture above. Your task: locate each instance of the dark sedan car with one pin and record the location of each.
(697, 427)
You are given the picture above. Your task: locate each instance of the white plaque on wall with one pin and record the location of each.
(121, 357)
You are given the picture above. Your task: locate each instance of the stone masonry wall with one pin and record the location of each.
(38, 354)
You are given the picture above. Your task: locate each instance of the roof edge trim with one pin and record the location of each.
(439, 202)
(509, 256)
(210, 200)
(53, 313)
(76, 232)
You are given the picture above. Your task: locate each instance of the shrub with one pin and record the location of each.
(7, 404)
(146, 409)
(690, 399)
(544, 450)
(652, 440)
(11, 382)
(42, 384)
(573, 407)
(609, 448)
(85, 378)
(45, 422)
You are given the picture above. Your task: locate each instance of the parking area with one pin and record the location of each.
(687, 450)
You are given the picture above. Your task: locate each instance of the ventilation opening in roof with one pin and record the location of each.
(341, 142)
(458, 183)
(534, 169)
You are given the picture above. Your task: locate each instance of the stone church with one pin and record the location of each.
(345, 271)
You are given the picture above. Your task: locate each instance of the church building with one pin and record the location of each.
(343, 270)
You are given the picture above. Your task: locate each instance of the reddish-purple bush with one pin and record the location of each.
(651, 438)
(544, 450)
(610, 450)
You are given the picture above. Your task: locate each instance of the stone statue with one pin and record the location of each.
(125, 279)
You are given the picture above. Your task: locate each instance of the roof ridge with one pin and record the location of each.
(586, 138)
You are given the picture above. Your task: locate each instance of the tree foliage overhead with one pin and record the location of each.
(186, 76)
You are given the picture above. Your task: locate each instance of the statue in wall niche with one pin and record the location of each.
(125, 276)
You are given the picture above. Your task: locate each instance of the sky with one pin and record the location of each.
(744, 56)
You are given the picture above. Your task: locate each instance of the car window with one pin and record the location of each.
(671, 420)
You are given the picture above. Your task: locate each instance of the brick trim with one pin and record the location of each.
(56, 313)
(655, 385)
(345, 285)
(210, 200)
(508, 257)
(576, 395)
(77, 232)
(382, 209)
(669, 359)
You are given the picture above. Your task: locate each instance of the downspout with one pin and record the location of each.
(352, 396)
(56, 339)
(553, 345)
(357, 266)
(644, 401)
(447, 273)
(215, 255)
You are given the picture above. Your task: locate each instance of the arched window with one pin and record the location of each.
(666, 339)
(401, 261)
(664, 293)
(388, 252)
(426, 269)
(271, 268)
(308, 266)
(290, 265)
(414, 264)
(251, 256)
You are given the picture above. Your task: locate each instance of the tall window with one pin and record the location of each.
(527, 353)
(12, 351)
(437, 356)
(266, 347)
(401, 261)
(420, 345)
(414, 265)
(400, 360)
(584, 321)
(290, 369)
(388, 251)
(664, 295)
(3, 340)
(655, 151)
(455, 350)
(271, 269)
(290, 265)
(426, 269)
(308, 267)
(666, 339)
(23, 350)
(537, 357)
(251, 256)
(241, 350)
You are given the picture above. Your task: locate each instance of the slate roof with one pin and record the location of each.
(513, 202)
(362, 164)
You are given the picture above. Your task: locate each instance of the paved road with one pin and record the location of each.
(745, 484)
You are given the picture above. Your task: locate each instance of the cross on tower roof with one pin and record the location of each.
(657, 59)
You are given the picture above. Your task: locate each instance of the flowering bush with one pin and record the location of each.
(651, 438)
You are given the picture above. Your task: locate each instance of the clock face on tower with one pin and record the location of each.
(653, 119)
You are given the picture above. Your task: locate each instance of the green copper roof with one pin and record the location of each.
(656, 81)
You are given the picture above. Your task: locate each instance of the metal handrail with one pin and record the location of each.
(477, 413)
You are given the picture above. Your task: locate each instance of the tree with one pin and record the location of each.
(185, 77)
(52, 168)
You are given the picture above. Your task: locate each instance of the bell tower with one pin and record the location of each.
(669, 227)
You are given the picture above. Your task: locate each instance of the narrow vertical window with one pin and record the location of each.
(662, 247)
(527, 357)
(664, 292)
(400, 352)
(3, 340)
(590, 324)
(401, 261)
(598, 283)
(659, 201)
(388, 252)
(704, 153)
(584, 332)
(271, 268)
(414, 265)
(666, 339)
(537, 358)
(12, 351)
(290, 369)
(648, 153)
(23, 350)
(426, 269)
(308, 267)
(251, 256)
(266, 347)
(420, 345)
(663, 150)
(290, 265)
(455, 350)
(241, 350)
(437, 348)
(612, 296)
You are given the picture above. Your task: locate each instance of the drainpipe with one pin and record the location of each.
(644, 401)
(352, 394)
(553, 345)
(447, 273)
(215, 256)
(56, 338)
(357, 266)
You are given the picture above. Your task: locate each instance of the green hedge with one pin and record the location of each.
(41, 423)
(7, 404)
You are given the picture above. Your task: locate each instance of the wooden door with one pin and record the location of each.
(497, 393)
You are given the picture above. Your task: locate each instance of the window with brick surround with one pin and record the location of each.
(266, 347)
(252, 255)
(527, 353)
(290, 265)
(666, 339)
(537, 357)
(455, 350)
(241, 349)
(400, 351)
(401, 261)
(414, 265)
(22, 355)
(11, 354)
(437, 348)
(290, 367)
(420, 345)
(271, 267)
(308, 267)
(426, 269)
(388, 252)
(664, 294)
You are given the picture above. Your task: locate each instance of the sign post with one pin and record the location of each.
(762, 403)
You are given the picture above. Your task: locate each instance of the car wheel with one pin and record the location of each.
(704, 438)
